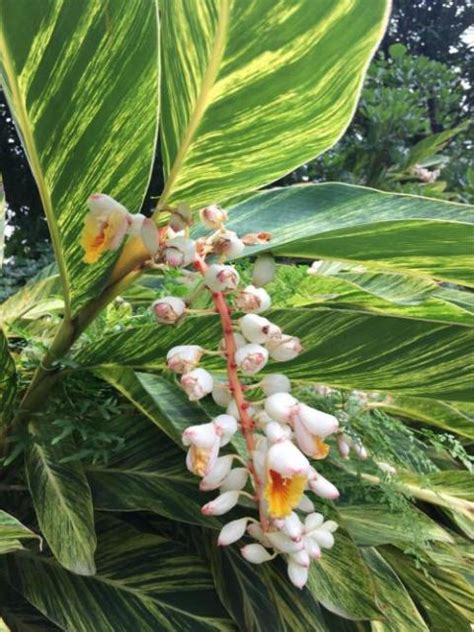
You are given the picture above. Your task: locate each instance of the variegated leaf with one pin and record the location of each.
(12, 532)
(8, 380)
(73, 73)
(62, 500)
(253, 89)
(384, 231)
(143, 582)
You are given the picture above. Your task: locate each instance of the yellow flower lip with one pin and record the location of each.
(283, 493)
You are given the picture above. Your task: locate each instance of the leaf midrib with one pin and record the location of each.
(32, 154)
(202, 101)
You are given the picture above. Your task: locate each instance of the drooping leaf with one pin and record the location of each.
(252, 90)
(62, 500)
(143, 582)
(345, 348)
(72, 73)
(8, 380)
(20, 615)
(445, 596)
(12, 532)
(400, 613)
(341, 581)
(384, 231)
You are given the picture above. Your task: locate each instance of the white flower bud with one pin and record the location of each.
(197, 384)
(102, 205)
(258, 329)
(253, 300)
(251, 358)
(221, 505)
(275, 383)
(261, 418)
(283, 543)
(221, 394)
(263, 270)
(293, 526)
(360, 450)
(239, 341)
(323, 488)
(386, 468)
(232, 531)
(256, 532)
(279, 406)
(256, 554)
(305, 505)
(184, 358)
(301, 558)
(323, 538)
(317, 422)
(285, 348)
(312, 548)
(179, 252)
(213, 216)
(343, 445)
(226, 427)
(285, 458)
(221, 278)
(298, 574)
(168, 310)
(313, 521)
(235, 480)
(181, 217)
(204, 448)
(135, 223)
(275, 432)
(228, 244)
(217, 474)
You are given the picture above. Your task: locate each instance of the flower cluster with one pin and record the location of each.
(281, 433)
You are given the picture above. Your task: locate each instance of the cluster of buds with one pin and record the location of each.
(281, 433)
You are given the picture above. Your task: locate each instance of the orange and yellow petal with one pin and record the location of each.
(200, 460)
(283, 494)
(93, 239)
(321, 449)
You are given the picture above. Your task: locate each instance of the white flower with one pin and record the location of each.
(217, 474)
(197, 384)
(213, 216)
(253, 300)
(235, 480)
(239, 341)
(287, 471)
(184, 358)
(275, 432)
(168, 310)
(280, 406)
(251, 358)
(256, 554)
(204, 447)
(343, 445)
(181, 217)
(221, 394)
(228, 244)
(179, 252)
(221, 278)
(297, 574)
(258, 329)
(226, 427)
(102, 205)
(322, 487)
(275, 383)
(284, 348)
(263, 270)
(222, 504)
(311, 427)
(232, 531)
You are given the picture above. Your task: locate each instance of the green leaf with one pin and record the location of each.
(148, 473)
(253, 90)
(72, 73)
(432, 145)
(143, 582)
(2, 221)
(445, 596)
(341, 581)
(342, 348)
(259, 598)
(439, 414)
(12, 532)
(62, 500)
(20, 615)
(382, 230)
(8, 381)
(400, 612)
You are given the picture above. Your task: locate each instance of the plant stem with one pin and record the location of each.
(246, 422)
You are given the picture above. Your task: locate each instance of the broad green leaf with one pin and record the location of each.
(342, 348)
(373, 525)
(440, 414)
(252, 90)
(143, 582)
(428, 147)
(382, 293)
(148, 473)
(445, 596)
(341, 581)
(400, 612)
(259, 598)
(62, 500)
(384, 231)
(2, 221)
(12, 532)
(20, 615)
(8, 380)
(72, 73)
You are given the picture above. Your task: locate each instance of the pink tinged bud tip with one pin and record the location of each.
(226, 427)
(323, 488)
(298, 574)
(232, 532)
(276, 433)
(227, 244)
(258, 329)
(251, 358)
(284, 348)
(168, 310)
(280, 406)
(252, 300)
(179, 252)
(221, 278)
(184, 358)
(256, 554)
(197, 384)
(264, 270)
(222, 504)
(181, 217)
(213, 216)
